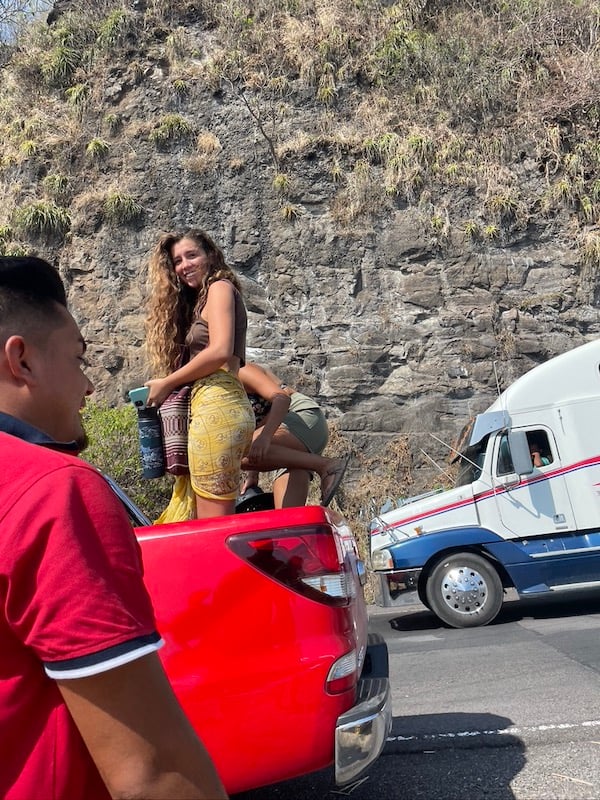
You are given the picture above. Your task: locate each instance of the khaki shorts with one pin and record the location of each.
(308, 425)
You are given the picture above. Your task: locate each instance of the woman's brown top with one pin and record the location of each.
(197, 338)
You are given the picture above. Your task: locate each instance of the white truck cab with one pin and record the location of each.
(525, 510)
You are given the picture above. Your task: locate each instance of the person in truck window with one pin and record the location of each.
(196, 307)
(86, 710)
(538, 447)
(291, 434)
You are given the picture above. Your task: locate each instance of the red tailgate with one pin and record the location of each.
(248, 656)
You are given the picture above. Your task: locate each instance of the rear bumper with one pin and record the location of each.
(362, 731)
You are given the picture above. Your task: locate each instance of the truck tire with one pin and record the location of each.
(464, 590)
(422, 592)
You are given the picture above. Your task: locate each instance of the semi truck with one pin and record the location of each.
(524, 513)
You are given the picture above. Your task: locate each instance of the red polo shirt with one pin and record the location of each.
(72, 604)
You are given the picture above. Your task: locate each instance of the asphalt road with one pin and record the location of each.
(510, 711)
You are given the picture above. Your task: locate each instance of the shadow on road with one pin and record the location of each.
(419, 618)
(422, 620)
(434, 757)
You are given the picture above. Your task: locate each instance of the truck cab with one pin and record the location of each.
(524, 511)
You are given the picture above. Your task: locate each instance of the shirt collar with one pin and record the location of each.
(23, 430)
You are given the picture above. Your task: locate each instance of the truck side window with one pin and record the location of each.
(539, 447)
(505, 464)
(471, 463)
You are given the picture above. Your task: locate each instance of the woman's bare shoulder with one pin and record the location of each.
(222, 285)
(221, 291)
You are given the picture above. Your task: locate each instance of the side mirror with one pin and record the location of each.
(519, 451)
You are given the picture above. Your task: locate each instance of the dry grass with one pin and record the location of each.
(483, 82)
(409, 102)
(371, 481)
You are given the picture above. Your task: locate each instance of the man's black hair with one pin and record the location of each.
(33, 279)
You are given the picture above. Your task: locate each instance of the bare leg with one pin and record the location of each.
(291, 489)
(207, 507)
(279, 457)
(288, 452)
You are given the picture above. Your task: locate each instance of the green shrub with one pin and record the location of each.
(281, 183)
(327, 90)
(121, 209)
(60, 64)
(56, 186)
(172, 127)
(42, 217)
(77, 96)
(472, 230)
(7, 246)
(112, 122)
(97, 148)
(181, 87)
(13, 250)
(114, 449)
(113, 29)
(28, 148)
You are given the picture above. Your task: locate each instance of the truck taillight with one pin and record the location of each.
(343, 675)
(308, 560)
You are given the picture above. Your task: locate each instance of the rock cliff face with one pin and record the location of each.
(385, 307)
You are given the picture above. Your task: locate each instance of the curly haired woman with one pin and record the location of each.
(196, 308)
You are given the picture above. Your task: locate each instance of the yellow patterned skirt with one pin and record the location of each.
(220, 434)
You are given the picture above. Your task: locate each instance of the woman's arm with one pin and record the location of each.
(219, 313)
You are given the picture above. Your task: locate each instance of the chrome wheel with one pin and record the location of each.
(464, 590)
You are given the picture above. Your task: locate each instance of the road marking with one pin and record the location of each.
(559, 726)
(569, 778)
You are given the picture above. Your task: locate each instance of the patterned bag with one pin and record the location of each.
(175, 420)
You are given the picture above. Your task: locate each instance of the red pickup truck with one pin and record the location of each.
(265, 625)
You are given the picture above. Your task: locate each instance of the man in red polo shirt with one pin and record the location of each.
(86, 711)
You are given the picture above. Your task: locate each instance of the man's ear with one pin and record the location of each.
(17, 353)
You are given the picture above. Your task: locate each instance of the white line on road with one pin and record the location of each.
(560, 726)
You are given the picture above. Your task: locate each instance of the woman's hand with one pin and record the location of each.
(250, 479)
(259, 447)
(160, 389)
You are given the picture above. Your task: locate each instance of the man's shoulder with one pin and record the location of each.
(24, 462)
(38, 480)
(39, 454)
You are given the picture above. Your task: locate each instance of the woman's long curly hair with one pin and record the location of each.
(171, 304)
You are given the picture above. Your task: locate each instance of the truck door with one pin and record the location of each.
(537, 504)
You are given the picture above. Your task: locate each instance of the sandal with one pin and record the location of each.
(330, 482)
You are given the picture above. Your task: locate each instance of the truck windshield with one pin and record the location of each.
(471, 463)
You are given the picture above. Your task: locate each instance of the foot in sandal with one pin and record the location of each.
(331, 479)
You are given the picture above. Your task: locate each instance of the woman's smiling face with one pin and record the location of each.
(190, 262)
